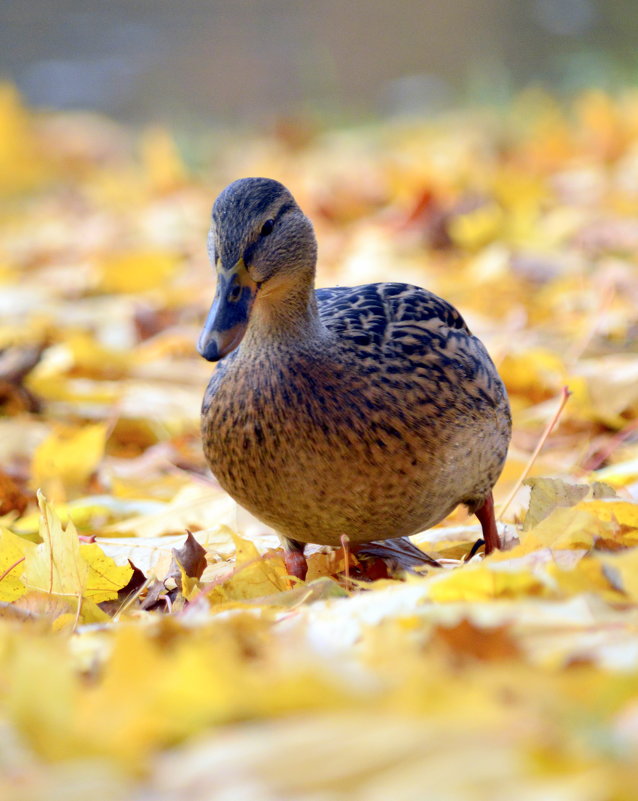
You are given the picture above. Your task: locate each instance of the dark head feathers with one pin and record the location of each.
(250, 198)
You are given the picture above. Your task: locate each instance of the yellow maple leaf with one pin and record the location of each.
(478, 227)
(600, 120)
(610, 387)
(126, 699)
(42, 692)
(60, 565)
(564, 528)
(533, 371)
(547, 494)
(90, 356)
(80, 511)
(21, 162)
(13, 551)
(621, 473)
(481, 583)
(55, 566)
(104, 577)
(254, 575)
(624, 567)
(588, 576)
(519, 189)
(90, 612)
(137, 270)
(164, 166)
(65, 460)
(611, 510)
(149, 694)
(189, 584)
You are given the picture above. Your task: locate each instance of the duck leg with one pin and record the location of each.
(294, 558)
(485, 514)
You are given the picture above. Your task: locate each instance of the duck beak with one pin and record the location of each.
(228, 316)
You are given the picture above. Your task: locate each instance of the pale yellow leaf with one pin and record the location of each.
(55, 566)
(13, 550)
(253, 576)
(21, 162)
(478, 227)
(194, 507)
(564, 529)
(588, 576)
(104, 578)
(61, 565)
(547, 494)
(68, 456)
(532, 370)
(479, 583)
(137, 270)
(164, 166)
(624, 566)
(623, 512)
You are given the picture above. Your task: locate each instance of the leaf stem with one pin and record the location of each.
(10, 568)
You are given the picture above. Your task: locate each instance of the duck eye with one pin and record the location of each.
(267, 227)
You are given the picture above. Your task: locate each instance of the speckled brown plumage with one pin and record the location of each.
(369, 411)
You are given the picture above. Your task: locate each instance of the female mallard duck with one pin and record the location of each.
(366, 411)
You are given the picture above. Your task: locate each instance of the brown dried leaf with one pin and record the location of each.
(467, 641)
(191, 556)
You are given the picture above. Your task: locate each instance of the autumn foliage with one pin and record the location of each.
(151, 641)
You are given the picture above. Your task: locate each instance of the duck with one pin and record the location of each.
(358, 414)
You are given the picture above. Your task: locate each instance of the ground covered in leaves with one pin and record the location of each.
(135, 663)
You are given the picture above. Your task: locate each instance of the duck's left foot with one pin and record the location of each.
(296, 564)
(294, 559)
(398, 554)
(485, 514)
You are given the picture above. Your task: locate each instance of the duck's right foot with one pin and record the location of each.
(474, 549)
(485, 514)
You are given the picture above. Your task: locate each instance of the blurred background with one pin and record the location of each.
(199, 62)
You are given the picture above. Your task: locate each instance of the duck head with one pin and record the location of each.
(263, 249)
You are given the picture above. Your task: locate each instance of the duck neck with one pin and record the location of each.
(285, 313)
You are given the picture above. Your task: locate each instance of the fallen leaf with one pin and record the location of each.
(137, 271)
(66, 459)
(13, 552)
(191, 557)
(467, 641)
(477, 583)
(104, 578)
(55, 566)
(547, 494)
(62, 566)
(252, 576)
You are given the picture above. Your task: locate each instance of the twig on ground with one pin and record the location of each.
(548, 430)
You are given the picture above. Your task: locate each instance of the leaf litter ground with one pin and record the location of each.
(139, 661)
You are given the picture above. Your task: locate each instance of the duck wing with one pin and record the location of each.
(375, 310)
(405, 333)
